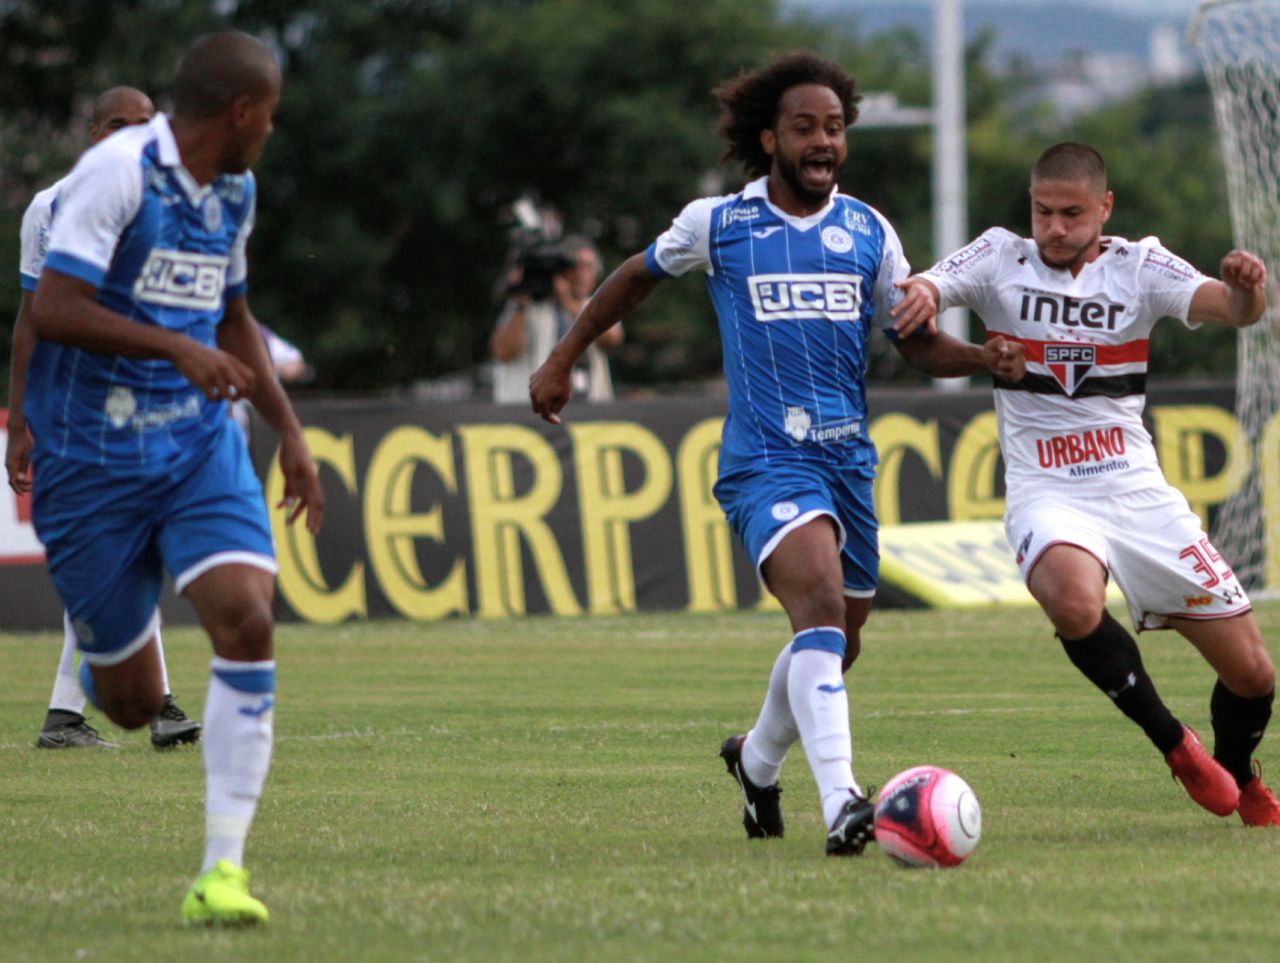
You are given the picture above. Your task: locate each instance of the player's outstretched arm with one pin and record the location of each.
(1239, 299)
(239, 335)
(17, 456)
(622, 291)
(943, 356)
(65, 311)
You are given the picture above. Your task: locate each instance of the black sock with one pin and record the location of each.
(1109, 658)
(1238, 724)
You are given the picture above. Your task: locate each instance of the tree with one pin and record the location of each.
(408, 127)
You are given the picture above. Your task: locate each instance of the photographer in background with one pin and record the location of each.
(548, 287)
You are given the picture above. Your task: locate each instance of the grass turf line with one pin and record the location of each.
(549, 789)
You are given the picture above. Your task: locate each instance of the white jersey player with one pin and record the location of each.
(64, 725)
(1086, 500)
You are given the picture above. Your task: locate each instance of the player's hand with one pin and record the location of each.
(917, 309)
(1240, 269)
(302, 488)
(220, 376)
(17, 458)
(550, 389)
(1007, 360)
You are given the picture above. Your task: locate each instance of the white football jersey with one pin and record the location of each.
(1075, 420)
(36, 223)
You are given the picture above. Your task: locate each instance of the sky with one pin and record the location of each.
(1180, 8)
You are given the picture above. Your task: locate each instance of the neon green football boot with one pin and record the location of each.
(222, 896)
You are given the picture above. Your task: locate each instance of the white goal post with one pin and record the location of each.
(1239, 44)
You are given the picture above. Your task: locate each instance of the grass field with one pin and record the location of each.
(550, 790)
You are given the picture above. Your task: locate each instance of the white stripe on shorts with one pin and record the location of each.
(264, 562)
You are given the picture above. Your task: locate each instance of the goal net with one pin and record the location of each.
(1239, 44)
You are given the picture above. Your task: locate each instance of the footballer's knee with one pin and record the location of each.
(244, 633)
(818, 606)
(1253, 676)
(1073, 616)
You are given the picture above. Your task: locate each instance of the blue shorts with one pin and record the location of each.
(109, 538)
(763, 505)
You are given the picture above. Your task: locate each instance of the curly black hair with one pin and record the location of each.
(750, 103)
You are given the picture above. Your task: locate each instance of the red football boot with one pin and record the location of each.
(1258, 804)
(1202, 776)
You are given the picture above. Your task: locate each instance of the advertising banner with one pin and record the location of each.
(476, 510)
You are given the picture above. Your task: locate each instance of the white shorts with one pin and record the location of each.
(1148, 540)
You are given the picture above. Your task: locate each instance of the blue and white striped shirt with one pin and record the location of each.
(162, 250)
(796, 299)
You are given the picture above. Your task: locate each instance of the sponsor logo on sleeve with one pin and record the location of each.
(966, 257)
(182, 279)
(789, 297)
(1169, 266)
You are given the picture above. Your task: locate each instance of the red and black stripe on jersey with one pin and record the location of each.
(1093, 381)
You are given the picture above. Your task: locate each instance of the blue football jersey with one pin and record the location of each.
(796, 299)
(160, 249)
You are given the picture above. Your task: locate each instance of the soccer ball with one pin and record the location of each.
(927, 816)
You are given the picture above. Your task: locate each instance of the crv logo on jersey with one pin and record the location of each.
(790, 297)
(181, 279)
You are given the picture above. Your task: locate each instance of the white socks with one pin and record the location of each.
(237, 738)
(775, 730)
(164, 669)
(820, 706)
(67, 694)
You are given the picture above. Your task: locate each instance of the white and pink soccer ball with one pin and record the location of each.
(927, 816)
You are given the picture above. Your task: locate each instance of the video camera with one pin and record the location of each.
(536, 256)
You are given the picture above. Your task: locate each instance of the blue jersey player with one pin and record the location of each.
(64, 725)
(798, 274)
(145, 337)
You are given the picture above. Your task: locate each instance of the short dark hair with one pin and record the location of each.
(751, 101)
(1070, 162)
(108, 100)
(219, 68)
